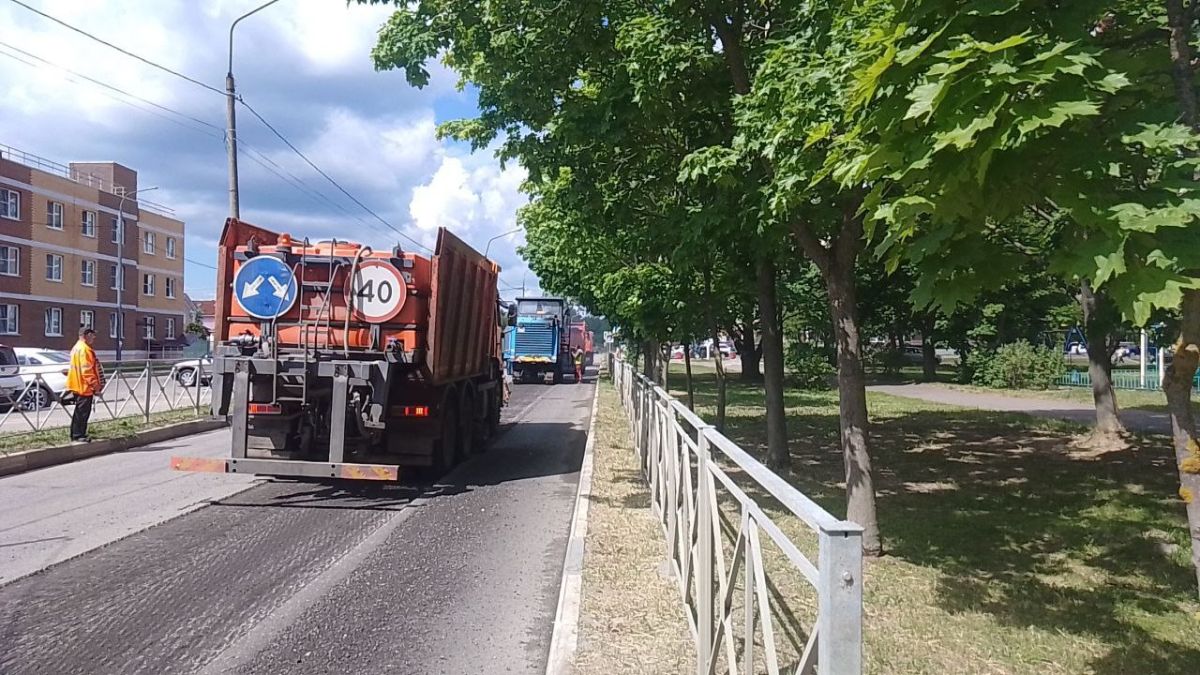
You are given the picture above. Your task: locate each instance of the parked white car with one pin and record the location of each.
(51, 365)
(187, 372)
(10, 377)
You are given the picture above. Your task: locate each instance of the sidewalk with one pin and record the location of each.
(1143, 421)
(631, 619)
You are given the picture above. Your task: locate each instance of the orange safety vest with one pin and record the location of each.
(84, 377)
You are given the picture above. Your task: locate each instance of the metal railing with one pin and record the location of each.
(1121, 380)
(137, 393)
(701, 483)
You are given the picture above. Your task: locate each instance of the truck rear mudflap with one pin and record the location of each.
(288, 467)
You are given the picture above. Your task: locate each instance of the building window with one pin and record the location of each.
(88, 223)
(10, 204)
(116, 230)
(54, 215)
(112, 325)
(10, 261)
(8, 319)
(54, 267)
(87, 273)
(148, 244)
(87, 319)
(171, 247)
(54, 322)
(147, 284)
(113, 278)
(170, 334)
(148, 328)
(170, 287)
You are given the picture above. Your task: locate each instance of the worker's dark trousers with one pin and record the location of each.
(79, 419)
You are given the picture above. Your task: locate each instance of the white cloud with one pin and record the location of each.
(303, 64)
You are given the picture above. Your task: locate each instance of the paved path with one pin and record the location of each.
(317, 577)
(1083, 413)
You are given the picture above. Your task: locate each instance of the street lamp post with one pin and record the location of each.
(231, 117)
(502, 234)
(121, 265)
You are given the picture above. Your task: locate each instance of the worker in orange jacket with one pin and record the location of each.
(85, 379)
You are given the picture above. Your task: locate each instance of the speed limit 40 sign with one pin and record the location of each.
(377, 291)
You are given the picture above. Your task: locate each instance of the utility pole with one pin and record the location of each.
(231, 118)
(121, 266)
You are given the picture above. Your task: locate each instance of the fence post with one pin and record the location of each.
(149, 374)
(839, 591)
(704, 552)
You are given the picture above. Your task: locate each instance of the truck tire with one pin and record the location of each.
(446, 447)
(470, 424)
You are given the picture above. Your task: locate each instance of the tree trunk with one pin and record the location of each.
(687, 368)
(852, 404)
(1178, 378)
(665, 380)
(715, 352)
(778, 458)
(1178, 386)
(750, 353)
(650, 360)
(1099, 350)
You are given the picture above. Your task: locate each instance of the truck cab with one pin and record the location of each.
(538, 340)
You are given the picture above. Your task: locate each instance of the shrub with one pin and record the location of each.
(1018, 365)
(808, 367)
(887, 360)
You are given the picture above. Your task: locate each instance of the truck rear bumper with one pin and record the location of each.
(288, 467)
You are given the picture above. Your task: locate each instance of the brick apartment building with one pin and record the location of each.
(58, 258)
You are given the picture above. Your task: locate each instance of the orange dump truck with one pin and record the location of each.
(336, 360)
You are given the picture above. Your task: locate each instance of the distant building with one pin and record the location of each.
(59, 239)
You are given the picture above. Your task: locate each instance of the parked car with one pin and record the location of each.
(187, 372)
(48, 364)
(10, 377)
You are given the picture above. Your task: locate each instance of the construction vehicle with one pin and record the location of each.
(582, 338)
(338, 361)
(539, 343)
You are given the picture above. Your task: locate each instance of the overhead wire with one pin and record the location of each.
(106, 43)
(254, 112)
(109, 86)
(326, 176)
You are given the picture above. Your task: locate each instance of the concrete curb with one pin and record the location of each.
(565, 639)
(20, 462)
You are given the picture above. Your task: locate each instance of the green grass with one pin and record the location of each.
(1008, 549)
(100, 430)
(1127, 399)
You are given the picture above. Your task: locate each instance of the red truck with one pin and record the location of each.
(582, 338)
(338, 361)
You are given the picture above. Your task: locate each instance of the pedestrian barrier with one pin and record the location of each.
(1121, 380)
(126, 394)
(700, 483)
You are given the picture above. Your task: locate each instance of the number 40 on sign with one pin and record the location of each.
(377, 291)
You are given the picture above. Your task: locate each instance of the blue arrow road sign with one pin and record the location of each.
(265, 287)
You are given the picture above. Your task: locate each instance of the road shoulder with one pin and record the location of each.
(631, 618)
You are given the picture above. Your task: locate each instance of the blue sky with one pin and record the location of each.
(305, 66)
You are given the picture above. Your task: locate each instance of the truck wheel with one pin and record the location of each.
(445, 450)
(558, 376)
(468, 423)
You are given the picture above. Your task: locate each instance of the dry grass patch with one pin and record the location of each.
(631, 620)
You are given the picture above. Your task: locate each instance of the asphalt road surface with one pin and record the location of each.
(291, 577)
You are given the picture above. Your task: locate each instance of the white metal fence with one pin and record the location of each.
(128, 392)
(796, 616)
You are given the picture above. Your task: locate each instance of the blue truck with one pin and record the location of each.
(536, 343)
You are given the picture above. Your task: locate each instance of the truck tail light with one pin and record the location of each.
(265, 409)
(412, 410)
